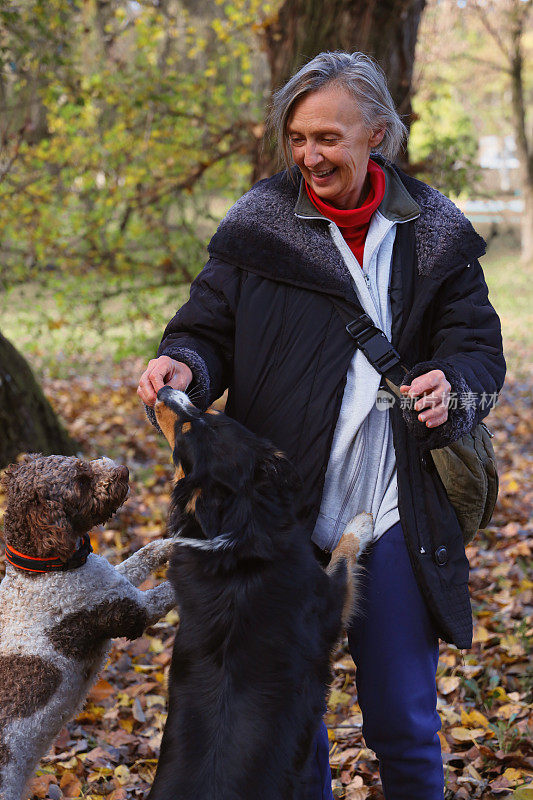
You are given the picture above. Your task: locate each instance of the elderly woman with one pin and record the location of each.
(339, 226)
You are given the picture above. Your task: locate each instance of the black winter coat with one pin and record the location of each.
(261, 322)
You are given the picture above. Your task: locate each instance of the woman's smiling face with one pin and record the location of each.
(331, 145)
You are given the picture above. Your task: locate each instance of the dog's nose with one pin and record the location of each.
(177, 401)
(123, 473)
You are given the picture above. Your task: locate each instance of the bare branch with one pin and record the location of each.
(485, 62)
(6, 168)
(489, 27)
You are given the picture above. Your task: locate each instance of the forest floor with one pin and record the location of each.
(110, 750)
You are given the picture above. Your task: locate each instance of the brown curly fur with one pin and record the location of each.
(79, 635)
(52, 500)
(18, 673)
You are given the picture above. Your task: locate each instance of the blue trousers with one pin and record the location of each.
(394, 646)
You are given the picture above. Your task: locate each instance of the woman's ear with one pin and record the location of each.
(376, 137)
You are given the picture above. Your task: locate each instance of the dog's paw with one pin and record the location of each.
(356, 537)
(159, 549)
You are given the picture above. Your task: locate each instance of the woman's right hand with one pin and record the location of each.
(162, 371)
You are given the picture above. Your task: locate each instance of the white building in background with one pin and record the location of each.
(497, 158)
(497, 199)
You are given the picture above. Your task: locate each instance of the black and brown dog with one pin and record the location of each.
(259, 616)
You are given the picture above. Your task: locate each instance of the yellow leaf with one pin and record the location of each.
(338, 698)
(90, 714)
(473, 719)
(481, 634)
(467, 734)
(155, 700)
(72, 763)
(98, 774)
(513, 775)
(172, 618)
(156, 645)
(508, 710)
(122, 774)
(524, 793)
(499, 693)
(448, 684)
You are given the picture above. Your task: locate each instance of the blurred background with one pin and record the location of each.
(127, 129)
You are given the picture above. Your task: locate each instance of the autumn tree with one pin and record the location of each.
(480, 84)
(506, 22)
(27, 420)
(384, 29)
(117, 122)
(149, 108)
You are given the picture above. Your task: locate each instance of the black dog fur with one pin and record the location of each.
(259, 618)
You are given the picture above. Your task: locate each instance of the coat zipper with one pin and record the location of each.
(355, 476)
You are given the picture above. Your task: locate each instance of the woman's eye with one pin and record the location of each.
(295, 141)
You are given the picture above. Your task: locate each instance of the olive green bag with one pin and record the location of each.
(467, 467)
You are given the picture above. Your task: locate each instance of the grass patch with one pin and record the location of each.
(511, 293)
(71, 324)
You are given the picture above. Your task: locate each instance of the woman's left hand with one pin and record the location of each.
(433, 391)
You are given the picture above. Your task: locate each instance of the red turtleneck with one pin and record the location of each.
(353, 223)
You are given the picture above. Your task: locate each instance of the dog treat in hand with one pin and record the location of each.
(60, 604)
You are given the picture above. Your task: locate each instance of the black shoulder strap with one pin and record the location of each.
(374, 344)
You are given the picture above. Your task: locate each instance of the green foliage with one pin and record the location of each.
(148, 111)
(444, 141)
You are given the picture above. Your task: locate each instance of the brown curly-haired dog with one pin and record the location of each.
(60, 604)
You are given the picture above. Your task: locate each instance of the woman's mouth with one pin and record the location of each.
(323, 174)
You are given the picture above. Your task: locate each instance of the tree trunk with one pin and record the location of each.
(527, 224)
(384, 29)
(524, 146)
(27, 421)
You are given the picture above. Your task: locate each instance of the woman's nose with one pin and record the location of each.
(312, 156)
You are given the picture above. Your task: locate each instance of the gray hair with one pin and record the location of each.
(362, 76)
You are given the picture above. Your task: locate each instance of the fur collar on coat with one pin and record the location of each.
(261, 233)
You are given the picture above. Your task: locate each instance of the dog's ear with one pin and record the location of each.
(207, 513)
(47, 519)
(235, 472)
(276, 470)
